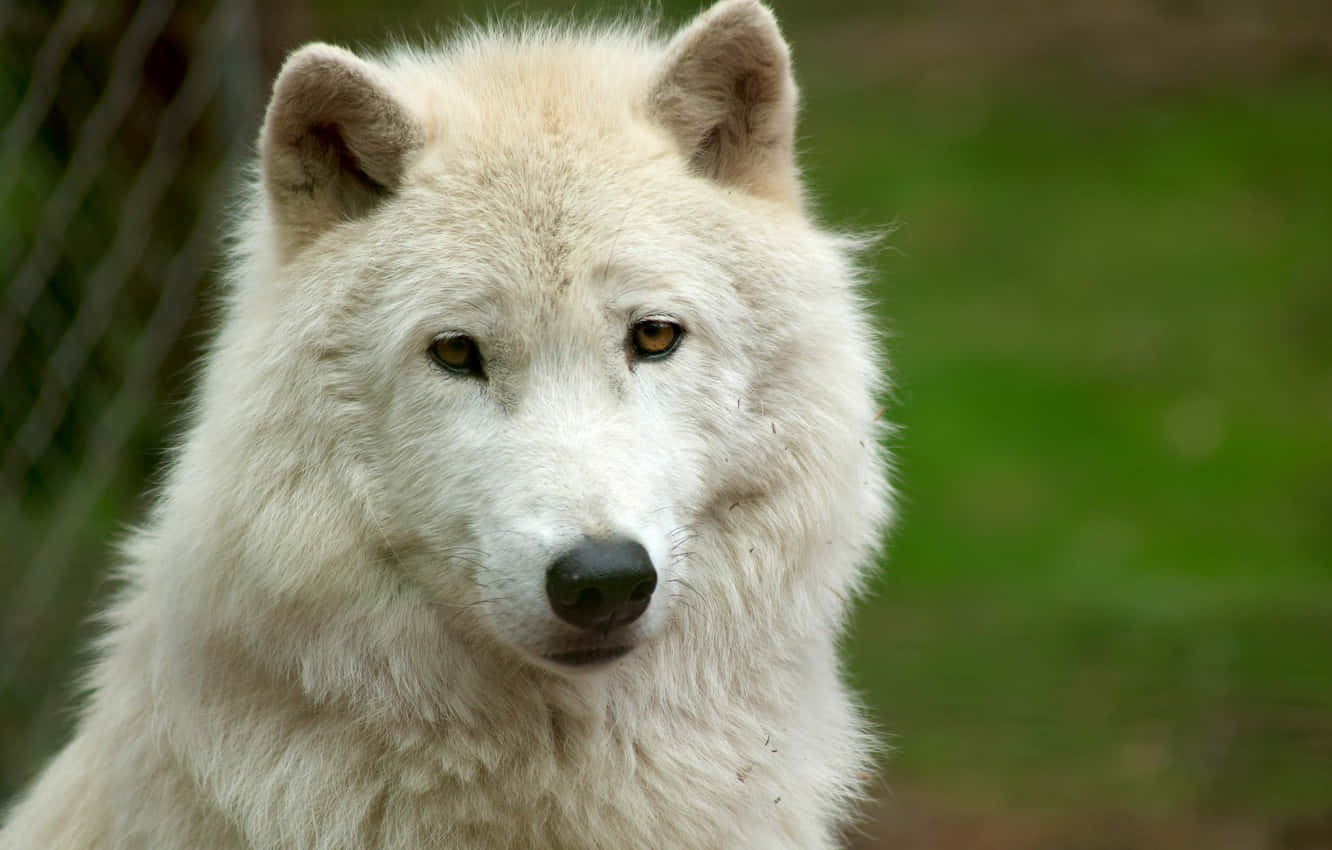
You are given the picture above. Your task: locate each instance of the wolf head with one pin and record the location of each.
(534, 356)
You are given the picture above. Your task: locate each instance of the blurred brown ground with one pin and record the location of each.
(904, 820)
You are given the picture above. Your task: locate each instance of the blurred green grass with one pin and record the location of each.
(1111, 326)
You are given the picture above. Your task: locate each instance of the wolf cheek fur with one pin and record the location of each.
(358, 615)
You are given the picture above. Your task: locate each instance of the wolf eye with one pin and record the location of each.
(458, 354)
(654, 338)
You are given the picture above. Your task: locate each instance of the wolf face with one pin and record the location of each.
(547, 280)
(570, 418)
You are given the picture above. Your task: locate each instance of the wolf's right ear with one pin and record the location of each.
(335, 141)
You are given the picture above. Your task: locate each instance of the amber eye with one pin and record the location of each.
(654, 338)
(457, 353)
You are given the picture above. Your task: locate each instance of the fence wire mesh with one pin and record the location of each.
(121, 126)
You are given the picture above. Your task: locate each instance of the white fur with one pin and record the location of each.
(331, 629)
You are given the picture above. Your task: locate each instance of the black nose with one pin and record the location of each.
(600, 584)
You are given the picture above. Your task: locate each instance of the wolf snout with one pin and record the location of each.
(601, 583)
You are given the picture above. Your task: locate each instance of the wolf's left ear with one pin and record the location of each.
(335, 141)
(725, 92)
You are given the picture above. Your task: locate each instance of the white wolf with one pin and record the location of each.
(533, 469)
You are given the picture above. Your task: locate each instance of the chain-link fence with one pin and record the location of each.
(121, 126)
